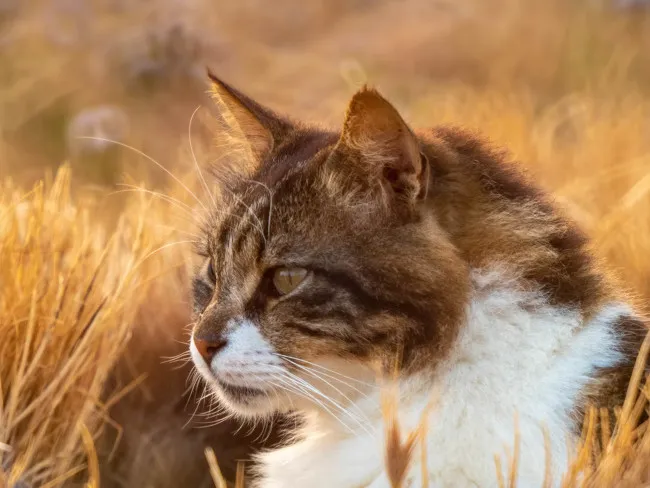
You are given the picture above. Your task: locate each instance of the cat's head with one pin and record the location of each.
(324, 262)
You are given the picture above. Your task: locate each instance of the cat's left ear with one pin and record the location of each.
(258, 126)
(376, 138)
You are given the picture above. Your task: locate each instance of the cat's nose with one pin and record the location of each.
(208, 348)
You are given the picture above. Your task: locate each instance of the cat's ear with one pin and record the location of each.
(257, 125)
(377, 138)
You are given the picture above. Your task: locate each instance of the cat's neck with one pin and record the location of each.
(516, 352)
(494, 215)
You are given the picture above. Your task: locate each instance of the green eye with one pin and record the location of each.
(286, 280)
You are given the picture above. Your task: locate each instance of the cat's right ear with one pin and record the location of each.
(258, 126)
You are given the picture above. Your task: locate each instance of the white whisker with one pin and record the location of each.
(322, 374)
(170, 244)
(168, 198)
(284, 356)
(268, 224)
(319, 377)
(137, 151)
(301, 383)
(180, 231)
(195, 382)
(158, 195)
(196, 163)
(183, 358)
(292, 386)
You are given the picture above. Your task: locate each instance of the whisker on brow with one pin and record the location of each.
(181, 206)
(144, 155)
(159, 194)
(196, 163)
(170, 244)
(268, 224)
(180, 231)
(248, 208)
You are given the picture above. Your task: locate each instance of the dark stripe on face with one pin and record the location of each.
(250, 231)
(309, 330)
(252, 221)
(304, 146)
(223, 238)
(329, 303)
(340, 311)
(316, 298)
(343, 316)
(242, 227)
(372, 305)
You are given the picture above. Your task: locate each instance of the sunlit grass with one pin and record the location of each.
(70, 288)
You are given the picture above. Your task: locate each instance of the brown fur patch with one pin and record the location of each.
(499, 215)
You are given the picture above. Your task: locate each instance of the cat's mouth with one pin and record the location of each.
(240, 393)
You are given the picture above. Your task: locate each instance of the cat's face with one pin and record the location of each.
(319, 271)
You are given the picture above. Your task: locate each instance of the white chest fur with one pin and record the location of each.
(518, 359)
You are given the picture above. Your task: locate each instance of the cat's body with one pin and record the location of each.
(535, 368)
(343, 252)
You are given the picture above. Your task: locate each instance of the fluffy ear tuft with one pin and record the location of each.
(384, 145)
(258, 126)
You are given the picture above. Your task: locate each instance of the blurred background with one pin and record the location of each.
(565, 85)
(110, 85)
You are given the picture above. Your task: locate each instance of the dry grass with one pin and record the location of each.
(69, 293)
(84, 317)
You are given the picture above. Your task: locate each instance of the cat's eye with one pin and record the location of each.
(286, 280)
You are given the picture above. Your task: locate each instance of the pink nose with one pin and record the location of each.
(209, 348)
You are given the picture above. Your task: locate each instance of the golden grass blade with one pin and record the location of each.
(91, 454)
(497, 464)
(635, 382)
(240, 479)
(215, 472)
(548, 460)
(514, 465)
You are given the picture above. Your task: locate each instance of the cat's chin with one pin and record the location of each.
(245, 401)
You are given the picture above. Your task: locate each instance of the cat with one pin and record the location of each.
(343, 264)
